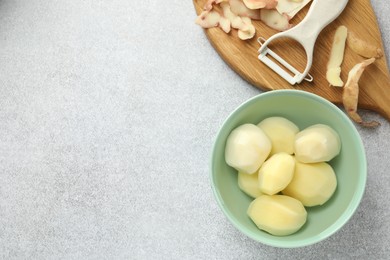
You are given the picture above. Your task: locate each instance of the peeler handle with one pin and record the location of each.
(320, 14)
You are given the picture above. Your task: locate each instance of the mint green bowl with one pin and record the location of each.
(304, 109)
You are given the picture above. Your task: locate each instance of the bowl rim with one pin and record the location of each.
(348, 212)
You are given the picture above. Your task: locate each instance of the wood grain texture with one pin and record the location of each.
(358, 17)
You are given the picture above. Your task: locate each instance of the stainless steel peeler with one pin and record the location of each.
(320, 14)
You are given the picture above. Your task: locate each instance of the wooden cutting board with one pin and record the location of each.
(358, 17)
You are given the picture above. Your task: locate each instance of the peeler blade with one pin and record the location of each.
(297, 76)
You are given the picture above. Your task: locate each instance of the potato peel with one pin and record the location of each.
(248, 31)
(239, 24)
(257, 4)
(336, 57)
(351, 93)
(275, 20)
(209, 4)
(227, 12)
(208, 19)
(224, 24)
(239, 8)
(362, 47)
(291, 8)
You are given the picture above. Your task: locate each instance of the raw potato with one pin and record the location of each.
(351, 93)
(281, 132)
(247, 147)
(362, 47)
(275, 20)
(312, 184)
(276, 173)
(249, 184)
(336, 57)
(279, 215)
(317, 143)
(301, 184)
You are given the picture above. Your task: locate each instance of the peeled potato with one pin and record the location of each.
(281, 132)
(247, 147)
(249, 184)
(276, 173)
(312, 184)
(279, 215)
(317, 143)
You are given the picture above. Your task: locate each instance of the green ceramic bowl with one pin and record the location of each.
(350, 166)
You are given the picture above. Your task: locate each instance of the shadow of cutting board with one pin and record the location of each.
(358, 17)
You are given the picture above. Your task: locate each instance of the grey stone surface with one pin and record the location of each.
(108, 111)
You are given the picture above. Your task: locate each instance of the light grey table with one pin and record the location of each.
(108, 111)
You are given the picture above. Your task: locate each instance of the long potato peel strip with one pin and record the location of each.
(351, 93)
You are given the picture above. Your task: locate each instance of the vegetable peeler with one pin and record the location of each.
(320, 14)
